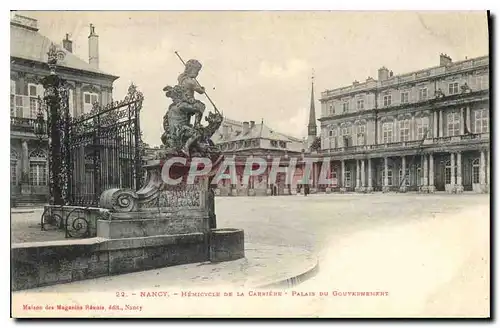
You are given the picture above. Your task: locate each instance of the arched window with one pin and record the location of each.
(38, 168)
(14, 160)
(475, 171)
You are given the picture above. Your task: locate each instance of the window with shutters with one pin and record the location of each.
(38, 168)
(481, 121)
(387, 132)
(453, 124)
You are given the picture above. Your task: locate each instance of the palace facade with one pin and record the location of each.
(427, 130)
(86, 82)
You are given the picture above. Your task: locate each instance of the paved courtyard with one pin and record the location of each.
(297, 220)
(429, 253)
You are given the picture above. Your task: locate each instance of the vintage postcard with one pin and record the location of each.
(250, 164)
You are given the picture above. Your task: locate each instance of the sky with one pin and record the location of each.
(258, 65)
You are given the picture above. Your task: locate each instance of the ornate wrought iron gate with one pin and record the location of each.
(103, 149)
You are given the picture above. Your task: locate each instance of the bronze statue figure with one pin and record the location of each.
(180, 134)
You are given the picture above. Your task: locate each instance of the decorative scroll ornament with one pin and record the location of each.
(119, 200)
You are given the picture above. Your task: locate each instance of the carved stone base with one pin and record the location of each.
(286, 191)
(234, 192)
(369, 189)
(269, 192)
(459, 189)
(159, 211)
(431, 189)
(251, 192)
(424, 189)
(25, 189)
(402, 189)
(328, 190)
(386, 189)
(342, 190)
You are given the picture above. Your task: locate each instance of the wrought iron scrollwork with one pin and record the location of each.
(50, 220)
(79, 226)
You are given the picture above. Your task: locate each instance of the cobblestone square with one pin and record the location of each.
(297, 220)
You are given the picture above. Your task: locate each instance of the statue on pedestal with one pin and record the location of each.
(180, 136)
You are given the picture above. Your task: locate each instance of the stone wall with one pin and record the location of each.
(49, 263)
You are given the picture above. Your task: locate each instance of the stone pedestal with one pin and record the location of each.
(269, 192)
(369, 189)
(251, 192)
(431, 189)
(234, 192)
(342, 190)
(286, 191)
(402, 188)
(25, 189)
(459, 189)
(386, 189)
(328, 190)
(160, 216)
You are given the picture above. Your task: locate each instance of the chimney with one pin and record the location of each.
(67, 43)
(225, 131)
(245, 127)
(355, 83)
(93, 48)
(444, 60)
(383, 74)
(252, 124)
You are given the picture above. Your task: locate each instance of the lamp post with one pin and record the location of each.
(54, 127)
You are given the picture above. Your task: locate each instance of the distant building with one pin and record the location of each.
(427, 130)
(86, 82)
(240, 140)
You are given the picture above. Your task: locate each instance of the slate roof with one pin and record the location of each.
(259, 131)
(31, 45)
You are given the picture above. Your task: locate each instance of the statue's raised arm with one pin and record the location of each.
(179, 133)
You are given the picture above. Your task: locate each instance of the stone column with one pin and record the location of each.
(78, 110)
(342, 184)
(462, 121)
(482, 171)
(453, 179)
(286, 190)
(403, 172)
(488, 179)
(431, 173)
(331, 168)
(385, 187)
(425, 180)
(440, 128)
(358, 176)
(370, 183)
(467, 118)
(25, 169)
(413, 128)
(459, 187)
(435, 125)
(363, 175)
